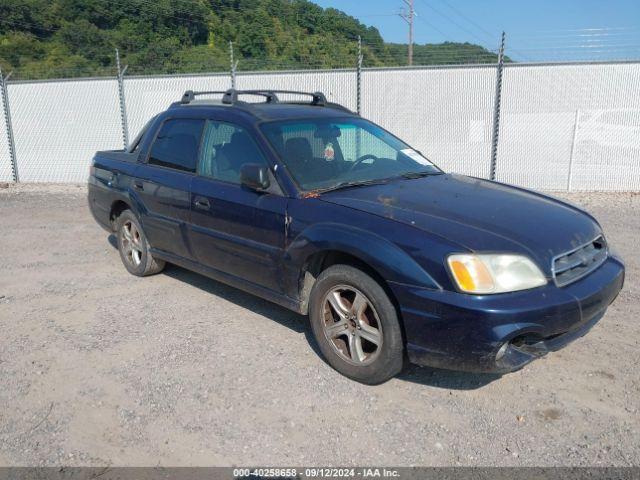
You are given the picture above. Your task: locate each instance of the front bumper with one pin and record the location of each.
(466, 332)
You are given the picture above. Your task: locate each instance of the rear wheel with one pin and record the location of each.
(356, 325)
(134, 247)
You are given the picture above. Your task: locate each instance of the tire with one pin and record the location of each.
(134, 247)
(340, 324)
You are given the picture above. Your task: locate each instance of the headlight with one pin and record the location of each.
(494, 273)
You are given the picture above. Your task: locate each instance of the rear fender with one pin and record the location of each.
(123, 192)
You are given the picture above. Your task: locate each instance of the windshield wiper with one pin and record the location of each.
(362, 183)
(412, 175)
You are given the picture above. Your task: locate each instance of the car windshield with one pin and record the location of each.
(325, 154)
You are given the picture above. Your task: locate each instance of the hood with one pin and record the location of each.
(476, 214)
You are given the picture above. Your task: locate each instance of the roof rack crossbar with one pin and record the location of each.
(189, 96)
(230, 97)
(318, 97)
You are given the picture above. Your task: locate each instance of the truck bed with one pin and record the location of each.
(119, 155)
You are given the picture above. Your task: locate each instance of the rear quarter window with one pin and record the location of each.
(134, 147)
(177, 143)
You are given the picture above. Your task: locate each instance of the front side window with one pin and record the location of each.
(177, 143)
(225, 149)
(328, 153)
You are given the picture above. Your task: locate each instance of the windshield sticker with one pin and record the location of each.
(329, 152)
(416, 157)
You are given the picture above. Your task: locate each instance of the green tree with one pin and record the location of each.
(49, 38)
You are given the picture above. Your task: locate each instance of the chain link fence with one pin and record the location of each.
(148, 96)
(58, 126)
(446, 113)
(571, 127)
(562, 126)
(6, 171)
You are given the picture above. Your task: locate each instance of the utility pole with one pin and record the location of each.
(408, 17)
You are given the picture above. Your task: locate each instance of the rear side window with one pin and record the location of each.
(225, 149)
(134, 147)
(177, 143)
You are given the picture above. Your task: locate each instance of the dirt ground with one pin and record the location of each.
(98, 367)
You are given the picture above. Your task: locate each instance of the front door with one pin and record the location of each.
(234, 229)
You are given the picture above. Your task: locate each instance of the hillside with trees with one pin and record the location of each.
(72, 38)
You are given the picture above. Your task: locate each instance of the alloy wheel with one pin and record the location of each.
(131, 243)
(352, 325)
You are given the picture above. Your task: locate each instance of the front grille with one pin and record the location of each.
(577, 263)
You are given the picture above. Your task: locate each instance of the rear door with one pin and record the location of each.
(163, 184)
(234, 229)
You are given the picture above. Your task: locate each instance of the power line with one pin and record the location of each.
(577, 35)
(469, 20)
(103, 12)
(479, 27)
(433, 27)
(289, 43)
(378, 15)
(452, 21)
(485, 31)
(587, 29)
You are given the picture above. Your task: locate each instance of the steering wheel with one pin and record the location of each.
(361, 159)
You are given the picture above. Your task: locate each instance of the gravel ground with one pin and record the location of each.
(98, 367)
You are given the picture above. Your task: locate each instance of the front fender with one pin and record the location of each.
(386, 258)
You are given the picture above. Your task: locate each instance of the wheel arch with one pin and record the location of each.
(117, 207)
(321, 260)
(384, 259)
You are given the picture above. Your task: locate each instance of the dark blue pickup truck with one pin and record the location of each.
(310, 206)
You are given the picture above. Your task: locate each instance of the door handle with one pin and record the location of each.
(138, 185)
(202, 203)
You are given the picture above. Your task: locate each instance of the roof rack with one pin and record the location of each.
(318, 98)
(230, 97)
(189, 96)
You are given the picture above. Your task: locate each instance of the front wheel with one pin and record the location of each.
(134, 247)
(356, 325)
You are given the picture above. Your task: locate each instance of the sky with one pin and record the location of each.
(537, 30)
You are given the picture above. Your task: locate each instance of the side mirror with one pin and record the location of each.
(254, 176)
